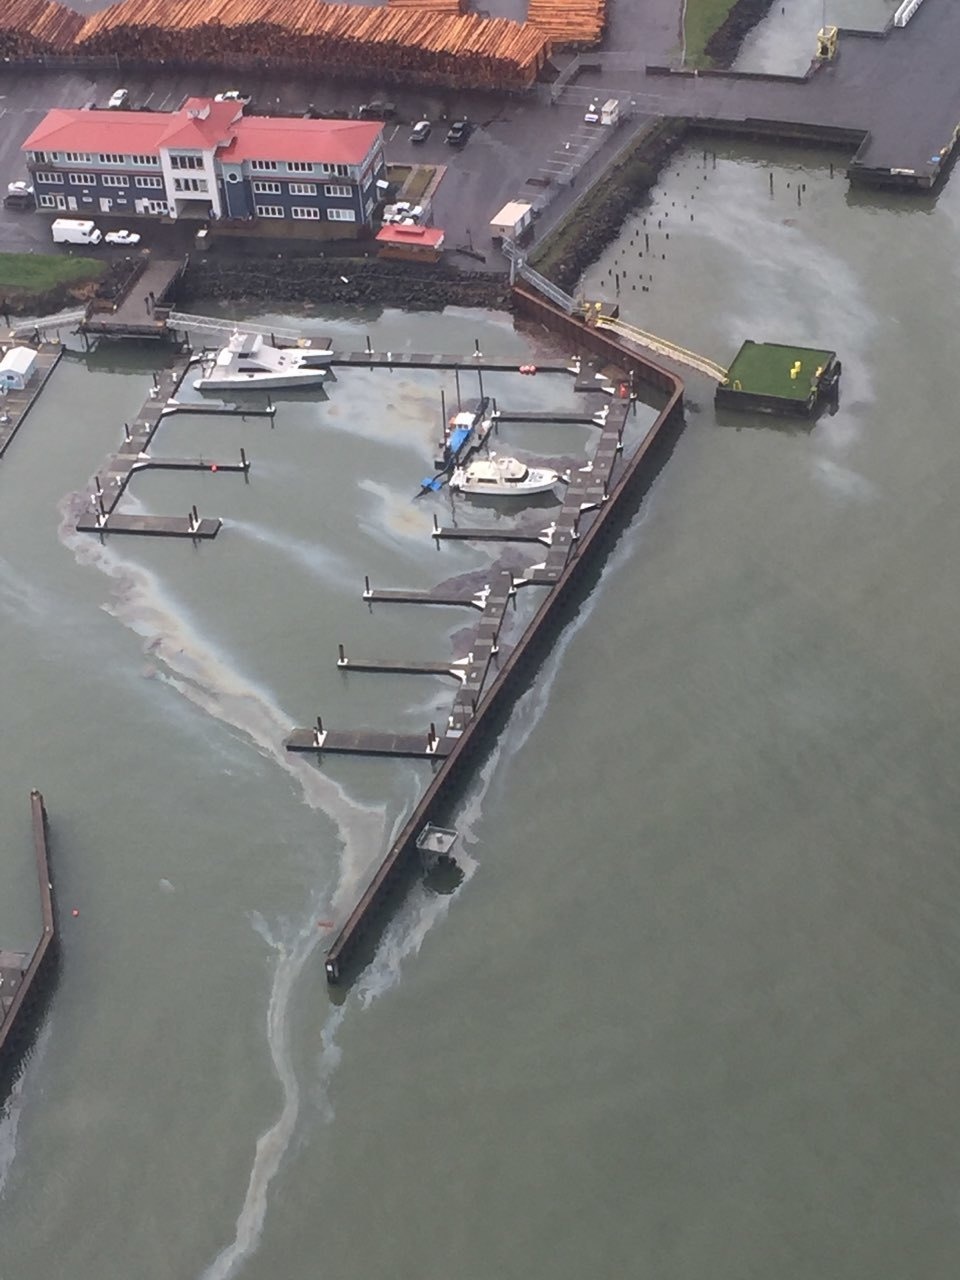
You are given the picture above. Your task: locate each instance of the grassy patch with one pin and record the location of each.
(763, 368)
(702, 19)
(41, 272)
(417, 185)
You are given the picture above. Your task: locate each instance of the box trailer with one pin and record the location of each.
(512, 220)
(75, 231)
(610, 111)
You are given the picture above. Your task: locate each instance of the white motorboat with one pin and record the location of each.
(498, 477)
(248, 360)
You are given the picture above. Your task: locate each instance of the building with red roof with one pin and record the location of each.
(208, 161)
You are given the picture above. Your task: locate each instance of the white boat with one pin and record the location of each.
(248, 360)
(498, 477)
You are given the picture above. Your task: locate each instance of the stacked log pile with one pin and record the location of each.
(430, 6)
(473, 52)
(578, 23)
(29, 28)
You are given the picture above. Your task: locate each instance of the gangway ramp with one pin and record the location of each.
(663, 347)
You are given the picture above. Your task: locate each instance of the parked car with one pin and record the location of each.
(119, 99)
(122, 237)
(377, 111)
(19, 196)
(421, 131)
(592, 114)
(232, 95)
(459, 132)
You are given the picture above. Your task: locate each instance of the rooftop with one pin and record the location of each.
(199, 125)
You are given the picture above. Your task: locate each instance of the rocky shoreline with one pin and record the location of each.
(345, 281)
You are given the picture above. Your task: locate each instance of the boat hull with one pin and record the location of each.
(267, 381)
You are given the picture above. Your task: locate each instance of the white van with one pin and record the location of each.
(610, 111)
(75, 231)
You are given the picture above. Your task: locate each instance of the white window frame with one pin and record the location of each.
(83, 179)
(46, 176)
(145, 161)
(158, 207)
(46, 201)
(302, 188)
(264, 166)
(299, 166)
(115, 180)
(341, 215)
(269, 211)
(267, 188)
(77, 157)
(149, 181)
(336, 191)
(310, 213)
(110, 158)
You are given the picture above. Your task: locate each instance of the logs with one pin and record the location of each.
(429, 6)
(569, 22)
(420, 43)
(29, 28)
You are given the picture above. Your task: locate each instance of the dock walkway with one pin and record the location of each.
(15, 405)
(24, 977)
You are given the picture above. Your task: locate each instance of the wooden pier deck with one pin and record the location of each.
(366, 742)
(25, 977)
(427, 360)
(15, 405)
(133, 318)
(133, 456)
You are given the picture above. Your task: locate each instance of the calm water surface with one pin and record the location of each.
(692, 1012)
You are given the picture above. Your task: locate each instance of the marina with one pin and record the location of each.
(16, 403)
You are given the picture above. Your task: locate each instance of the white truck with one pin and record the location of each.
(610, 111)
(75, 231)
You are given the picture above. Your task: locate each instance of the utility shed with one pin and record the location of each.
(422, 244)
(17, 368)
(512, 220)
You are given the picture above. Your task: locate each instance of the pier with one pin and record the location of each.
(25, 977)
(488, 679)
(15, 405)
(133, 456)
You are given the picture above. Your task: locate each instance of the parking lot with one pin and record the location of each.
(514, 139)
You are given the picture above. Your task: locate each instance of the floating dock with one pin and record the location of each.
(25, 977)
(15, 405)
(770, 377)
(489, 680)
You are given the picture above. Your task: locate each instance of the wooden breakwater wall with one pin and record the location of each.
(20, 1019)
(356, 938)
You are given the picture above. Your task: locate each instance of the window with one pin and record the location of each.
(83, 179)
(306, 212)
(269, 210)
(264, 166)
(331, 189)
(190, 184)
(115, 180)
(267, 188)
(299, 166)
(110, 158)
(331, 170)
(301, 188)
(145, 160)
(47, 202)
(341, 215)
(77, 157)
(42, 157)
(49, 177)
(148, 182)
(185, 162)
(157, 206)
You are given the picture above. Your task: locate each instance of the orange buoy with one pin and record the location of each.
(75, 912)
(213, 466)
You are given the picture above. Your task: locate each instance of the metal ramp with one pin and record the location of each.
(663, 347)
(215, 324)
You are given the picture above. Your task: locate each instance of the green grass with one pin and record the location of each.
(40, 272)
(763, 368)
(703, 18)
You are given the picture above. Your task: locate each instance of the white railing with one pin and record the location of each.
(906, 12)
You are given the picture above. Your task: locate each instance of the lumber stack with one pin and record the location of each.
(569, 22)
(29, 28)
(473, 52)
(430, 6)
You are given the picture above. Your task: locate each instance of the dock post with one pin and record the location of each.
(476, 349)
(126, 431)
(99, 486)
(443, 410)
(318, 732)
(369, 345)
(456, 375)
(156, 380)
(342, 659)
(245, 464)
(366, 586)
(480, 380)
(436, 527)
